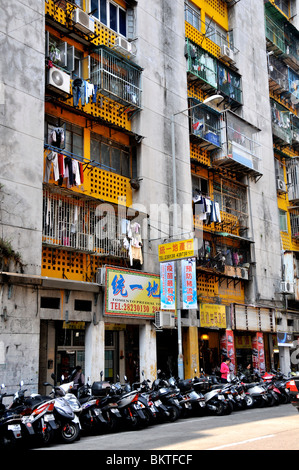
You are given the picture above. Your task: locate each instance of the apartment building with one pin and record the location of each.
(126, 126)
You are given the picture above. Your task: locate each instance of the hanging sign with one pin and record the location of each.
(176, 250)
(212, 316)
(131, 293)
(167, 286)
(189, 288)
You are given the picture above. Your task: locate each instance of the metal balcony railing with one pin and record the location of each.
(78, 224)
(116, 77)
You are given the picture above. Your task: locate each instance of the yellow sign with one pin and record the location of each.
(74, 325)
(176, 250)
(212, 316)
(131, 293)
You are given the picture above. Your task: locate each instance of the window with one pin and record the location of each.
(110, 14)
(283, 223)
(215, 33)
(73, 134)
(112, 156)
(192, 15)
(199, 186)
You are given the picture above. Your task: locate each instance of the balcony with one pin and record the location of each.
(240, 151)
(98, 182)
(292, 167)
(204, 125)
(78, 224)
(281, 124)
(116, 77)
(230, 86)
(278, 75)
(295, 131)
(201, 67)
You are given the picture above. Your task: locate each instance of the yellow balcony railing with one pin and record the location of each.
(97, 183)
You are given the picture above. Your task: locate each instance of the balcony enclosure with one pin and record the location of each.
(278, 75)
(292, 167)
(232, 199)
(295, 131)
(241, 151)
(79, 224)
(229, 84)
(116, 77)
(201, 65)
(294, 220)
(281, 124)
(204, 125)
(274, 25)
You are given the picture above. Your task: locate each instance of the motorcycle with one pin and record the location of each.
(36, 414)
(169, 397)
(91, 417)
(216, 402)
(11, 426)
(192, 402)
(256, 394)
(279, 381)
(66, 411)
(151, 410)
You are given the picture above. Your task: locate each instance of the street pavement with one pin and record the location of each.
(275, 428)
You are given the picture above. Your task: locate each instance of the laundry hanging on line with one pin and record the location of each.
(208, 210)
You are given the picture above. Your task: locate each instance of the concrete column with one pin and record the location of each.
(148, 351)
(285, 360)
(94, 350)
(191, 352)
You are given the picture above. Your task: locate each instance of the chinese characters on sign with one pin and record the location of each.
(189, 289)
(212, 316)
(131, 294)
(176, 250)
(167, 280)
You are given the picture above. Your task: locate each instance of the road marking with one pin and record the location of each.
(242, 442)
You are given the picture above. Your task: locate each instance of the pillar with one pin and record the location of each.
(147, 352)
(191, 351)
(94, 351)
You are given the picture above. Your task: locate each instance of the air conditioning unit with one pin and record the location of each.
(164, 320)
(286, 287)
(244, 273)
(59, 81)
(101, 276)
(123, 46)
(227, 54)
(83, 22)
(281, 186)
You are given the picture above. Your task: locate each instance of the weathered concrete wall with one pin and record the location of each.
(21, 159)
(160, 44)
(21, 128)
(247, 22)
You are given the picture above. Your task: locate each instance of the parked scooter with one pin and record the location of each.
(37, 415)
(215, 400)
(12, 429)
(67, 420)
(256, 394)
(168, 395)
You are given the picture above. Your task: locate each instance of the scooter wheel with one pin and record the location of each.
(249, 401)
(221, 409)
(69, 432)
(173, 413)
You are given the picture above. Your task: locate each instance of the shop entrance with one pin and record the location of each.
(209, 350)
(70, 352)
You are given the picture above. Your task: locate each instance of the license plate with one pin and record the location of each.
(221, 397)
(97, 412)
(49, 417)
(158, 402)
(14, 427)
